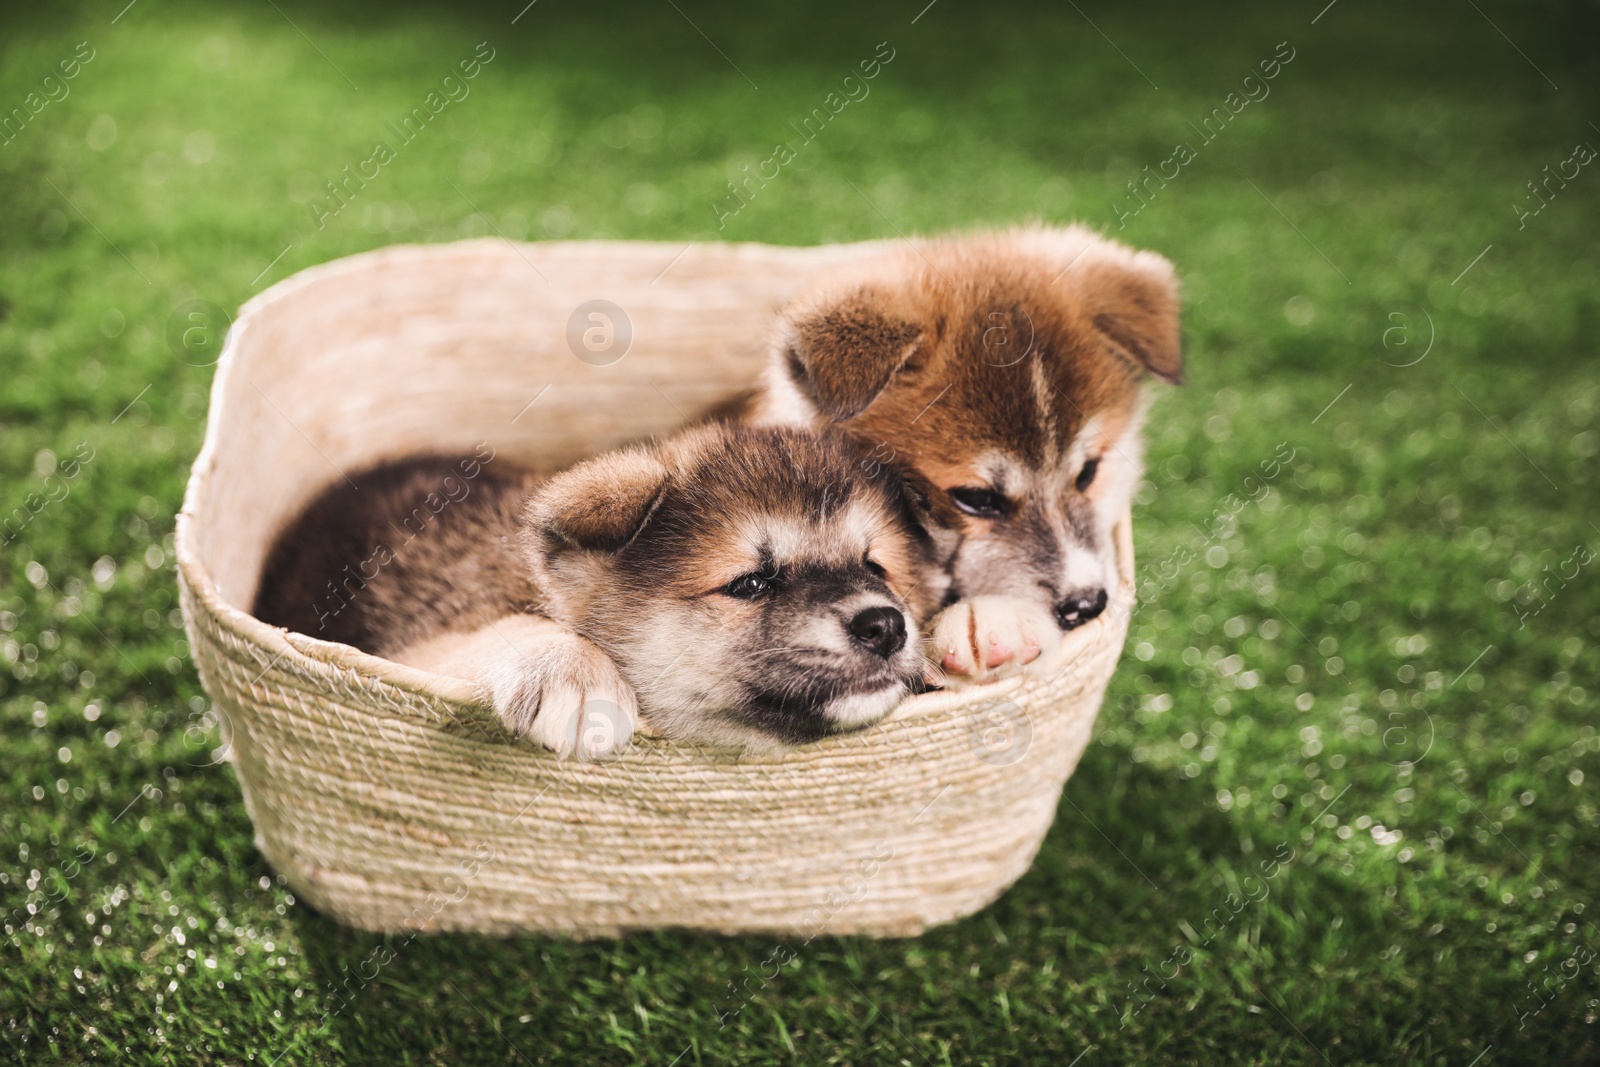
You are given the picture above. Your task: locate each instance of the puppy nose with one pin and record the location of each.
(880, 630)
(1079, 607)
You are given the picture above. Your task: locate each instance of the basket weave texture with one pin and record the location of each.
(392, 799)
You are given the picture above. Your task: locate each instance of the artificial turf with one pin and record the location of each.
(1368, 645)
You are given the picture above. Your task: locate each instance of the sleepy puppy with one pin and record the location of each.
(1009, 370)
(735, 586)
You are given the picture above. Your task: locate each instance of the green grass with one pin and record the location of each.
(1348, 643)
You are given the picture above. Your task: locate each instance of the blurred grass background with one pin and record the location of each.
(1383, 664)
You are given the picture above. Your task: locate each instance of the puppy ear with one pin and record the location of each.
(926, 517)
(921, 504)
(1135, 306)
(598, 506)
(840, 351)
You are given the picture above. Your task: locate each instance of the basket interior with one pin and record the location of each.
(438, 348)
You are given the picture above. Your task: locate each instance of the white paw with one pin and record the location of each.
(566, 694)
(987, 638)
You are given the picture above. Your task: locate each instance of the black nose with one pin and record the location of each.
(881, 630)
(1080, 607)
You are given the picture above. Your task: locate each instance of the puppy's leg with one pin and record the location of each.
(986, 638)
(544, 681)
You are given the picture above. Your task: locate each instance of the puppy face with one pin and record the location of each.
(1009, 372)
(755, 586)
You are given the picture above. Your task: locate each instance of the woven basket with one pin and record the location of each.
(392, 800)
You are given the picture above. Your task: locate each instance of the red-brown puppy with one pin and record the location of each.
(1010, 371)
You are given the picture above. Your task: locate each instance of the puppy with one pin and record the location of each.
(1010, 371)
(735, 586)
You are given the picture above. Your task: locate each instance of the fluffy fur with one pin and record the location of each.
(736, 586)
(1002, 368)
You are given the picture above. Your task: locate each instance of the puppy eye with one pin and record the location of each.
(748, 586)
(984, 503)
(1086, 476)
(874, 566)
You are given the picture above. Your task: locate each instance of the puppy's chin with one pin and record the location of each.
(858, 710)
(766, 710)
(770, 723)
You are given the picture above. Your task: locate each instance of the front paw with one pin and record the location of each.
(987, 638)
(566, 694)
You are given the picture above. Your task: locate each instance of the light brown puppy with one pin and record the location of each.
(735, 585)
(1009, 370)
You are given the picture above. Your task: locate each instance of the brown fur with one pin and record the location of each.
(422, 545)
(969, 319)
